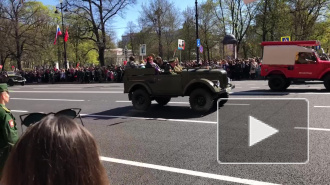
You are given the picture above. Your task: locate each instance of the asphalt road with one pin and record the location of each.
(174, 145)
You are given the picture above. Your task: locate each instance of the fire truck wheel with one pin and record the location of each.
(287, 83)
(327, 82)
(277, 83)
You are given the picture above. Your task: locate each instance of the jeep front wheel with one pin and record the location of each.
(163, 100)
(141, 99)
(10, 82)
(327, 82)
(277, 83)
(200, 100)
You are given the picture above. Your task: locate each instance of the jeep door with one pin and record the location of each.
(168, 84)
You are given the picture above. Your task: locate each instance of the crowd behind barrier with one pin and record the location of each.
(238, 69)
(77, 75)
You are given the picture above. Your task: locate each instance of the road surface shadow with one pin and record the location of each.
(154, 112)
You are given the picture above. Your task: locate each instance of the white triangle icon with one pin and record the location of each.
(259, 131)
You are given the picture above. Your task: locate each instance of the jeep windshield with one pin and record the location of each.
(322, 56)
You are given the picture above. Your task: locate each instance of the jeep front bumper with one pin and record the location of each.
(230, 87)
(19, 80)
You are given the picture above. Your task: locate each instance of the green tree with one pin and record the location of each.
(24, 21)
(98, 14)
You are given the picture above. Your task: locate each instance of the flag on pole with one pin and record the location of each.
(66, 36)
(58, 32)
(174, 52)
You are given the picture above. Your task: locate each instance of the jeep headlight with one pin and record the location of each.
(216, 83)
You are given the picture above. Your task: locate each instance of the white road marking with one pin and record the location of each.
(45, 99)
(275, 93)
(19, 111)
(143, 118)
(68, 88)
(154, 102)
(76, 92)
(311, 128)
(183, 103)
(112, 88)
(233, 104)
(254, 87)
(85, 86)
(186, 172)
(322, 106)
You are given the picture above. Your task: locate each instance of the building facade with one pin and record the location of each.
(117, 56)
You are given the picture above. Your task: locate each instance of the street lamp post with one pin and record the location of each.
(61, 8)
(125, 51)
(197, 48)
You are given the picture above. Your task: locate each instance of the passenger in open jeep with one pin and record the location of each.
(152, 64)
(131, 63)
(160, 63)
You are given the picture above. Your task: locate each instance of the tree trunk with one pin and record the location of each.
(101, 55)
(160, 46)
(264, 30)
(18, 46)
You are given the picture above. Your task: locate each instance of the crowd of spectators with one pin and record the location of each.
(78, 74)
(238, 69)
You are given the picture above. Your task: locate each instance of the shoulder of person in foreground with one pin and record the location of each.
(53, 151)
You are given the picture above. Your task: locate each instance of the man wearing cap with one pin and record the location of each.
(169, 68)
(8, 130)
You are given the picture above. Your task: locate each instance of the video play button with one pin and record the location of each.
(259, 131)
(263, 131)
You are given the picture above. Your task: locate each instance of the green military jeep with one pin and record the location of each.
(203, 86)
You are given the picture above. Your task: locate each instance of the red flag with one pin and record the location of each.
(66, 37)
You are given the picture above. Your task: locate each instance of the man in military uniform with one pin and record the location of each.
(169, 68)
(177, 68)
(8, 129)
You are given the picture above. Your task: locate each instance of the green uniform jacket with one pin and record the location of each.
(8, 134)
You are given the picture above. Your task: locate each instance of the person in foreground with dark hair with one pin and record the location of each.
(8, 129)
(55, 151)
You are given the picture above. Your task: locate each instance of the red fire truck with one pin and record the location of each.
(284, 62)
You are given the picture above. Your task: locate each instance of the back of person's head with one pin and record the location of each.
(55, 151)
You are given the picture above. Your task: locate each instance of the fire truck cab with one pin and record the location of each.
(296, 60)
